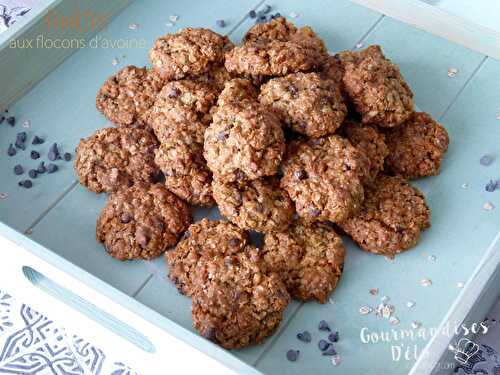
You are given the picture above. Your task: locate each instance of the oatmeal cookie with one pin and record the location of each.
(183, 102)
(245, 141)
(276, 49)
(259, 205)
(376, 87)
(115, 157)
(308, 257)
(237, 303)
(323, 178)
(126, 97)
(391, 218)
(417, 147)
(369, 141)
(205, 239)
(216, 77)
(188, 52)
(141, 222)
(236, 91)
(180, 158)
(306, 103)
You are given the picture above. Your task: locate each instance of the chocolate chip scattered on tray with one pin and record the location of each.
(11, 120)
(18, 170)
(11, 151)
(51, 168)
(37, 140)
(292, 355)
(35, 155)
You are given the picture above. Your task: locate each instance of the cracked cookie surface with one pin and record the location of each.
(417, 147)
(308, 257)
(141, 222)
(376, 87)
(391, 218)
(306, 103)
(244, 142)
(205, 239)
(323, 178)
(259, 205)
(189, 52)
(115, 157)
(126, 96)
(238, 303)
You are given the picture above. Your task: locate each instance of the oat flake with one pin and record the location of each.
(465, 186)
(359, 45)
(426, 282)
(410, 304)
(114, 62)
(452, 72)
(365, 310)
(293, 15)
(460, 285)
(432, 258)
(26, 124)
(336, 360)
(133, 26)
(415, 324)
(394, 321)
(488, 206)
(173, 18)
(3, 195)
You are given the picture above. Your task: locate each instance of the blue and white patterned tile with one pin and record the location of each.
(32, 344)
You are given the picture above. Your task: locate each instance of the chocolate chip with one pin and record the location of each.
(142, 236)
(301, 175)
(209, 333)
(323, 326)
(293, 90)
(125, 218)
(486, 160)
(2, 119)
(304, 336)
(20, 144)
(35, 155)
(173, 92)
(53, 147)
(222, 136)
(491, 186)
(314, 212)
(11, 151)
(18, 170)
(323, 345)
(266, 9)
(330, 351)
(11, 120)
(51, 168)
(67, 156)
(252, 14)
(37, 140)
(334, 336)
(41, 168)
(21, 137)
(261, 19)
(52, 156)
(33, 173)
(233, 242)
(292, 355)
(221, 23)
(27, 184)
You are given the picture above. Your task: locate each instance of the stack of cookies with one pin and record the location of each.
(286, 140)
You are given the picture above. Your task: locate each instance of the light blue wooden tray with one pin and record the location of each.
(60, 215)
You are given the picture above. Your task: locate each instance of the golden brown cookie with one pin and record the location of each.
(323, 178)
(237, 303)
(244, 142)
(236, 91)
(417, 147)
(205, 239)
(305, 102)
(259, 205)
(141, 222)
(376, 87)
(113, 158)
(370, 142)
(391, 218)
(189, 52)
(308, 257)
(126, 96)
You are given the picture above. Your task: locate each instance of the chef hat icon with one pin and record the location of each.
(465, 350)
